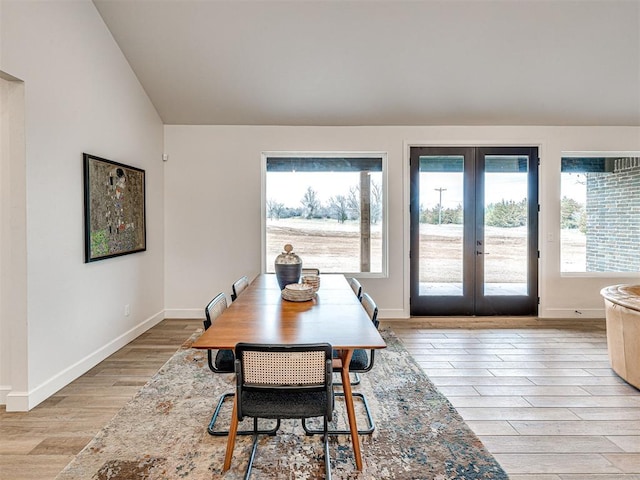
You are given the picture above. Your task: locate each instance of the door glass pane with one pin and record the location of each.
(441, 224)
(505, 225)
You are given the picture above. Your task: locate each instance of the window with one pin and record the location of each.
(330, 207)
(600, 213)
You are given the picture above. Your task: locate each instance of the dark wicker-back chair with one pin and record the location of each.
(238, 287)
(223, 362)
(282, 381)
(361, 362)
(356, 287)
(310, 271)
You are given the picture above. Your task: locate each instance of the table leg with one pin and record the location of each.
(345, 356)
(231, 439)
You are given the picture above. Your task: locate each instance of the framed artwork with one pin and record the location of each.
(114, 209)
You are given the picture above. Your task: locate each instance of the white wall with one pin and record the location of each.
(212, 204)
(80, 96)
(13, 238)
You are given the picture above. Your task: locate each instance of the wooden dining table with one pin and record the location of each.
(334, 316)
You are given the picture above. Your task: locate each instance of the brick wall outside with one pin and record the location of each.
(613, 218)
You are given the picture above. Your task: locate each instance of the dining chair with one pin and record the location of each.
(238, 287)
(361, 362)
(356, 287)
(282, 381)
(223, 362)
(310, 271)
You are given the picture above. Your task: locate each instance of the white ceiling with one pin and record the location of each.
(384, 62)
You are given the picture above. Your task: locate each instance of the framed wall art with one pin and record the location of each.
(114, 209)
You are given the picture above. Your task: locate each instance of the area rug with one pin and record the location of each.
(162, 432)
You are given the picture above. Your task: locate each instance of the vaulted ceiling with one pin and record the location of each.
(384, 62)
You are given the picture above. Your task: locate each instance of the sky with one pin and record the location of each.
(289, 188)
(499, 186)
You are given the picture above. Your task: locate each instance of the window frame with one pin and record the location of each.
(384, 273)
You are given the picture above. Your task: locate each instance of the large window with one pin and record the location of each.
(331, 208)
(600, 213)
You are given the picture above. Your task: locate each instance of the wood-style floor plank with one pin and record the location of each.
(40, 443)
(539, 394)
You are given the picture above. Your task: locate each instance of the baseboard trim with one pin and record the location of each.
(25, 401)
(184, 313)
(571, 313)
(198, 313)
(4, 392)
(391, 314)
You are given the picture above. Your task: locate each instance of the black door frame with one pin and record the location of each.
(474, 302)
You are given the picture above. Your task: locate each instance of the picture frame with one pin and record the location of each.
(114, 209)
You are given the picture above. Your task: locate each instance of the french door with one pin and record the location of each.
(474, 231)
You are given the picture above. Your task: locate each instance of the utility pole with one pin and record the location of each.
(440, 190)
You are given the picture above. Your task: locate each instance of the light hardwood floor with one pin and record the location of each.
(539, 393)
(37, 445)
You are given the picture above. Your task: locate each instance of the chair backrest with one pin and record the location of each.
(284, 381)
(239, 286)
(310, 271)
(356, 287)
(214, 308)
(284, 365)
(371, 308)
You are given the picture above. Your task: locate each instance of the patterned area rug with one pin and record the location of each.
(162, 432)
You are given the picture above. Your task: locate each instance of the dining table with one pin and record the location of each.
(334, 315)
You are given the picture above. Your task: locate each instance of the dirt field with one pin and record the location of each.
(504, 253)
(325, 244)
(335, 247)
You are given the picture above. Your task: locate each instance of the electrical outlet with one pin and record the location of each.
(127, 310)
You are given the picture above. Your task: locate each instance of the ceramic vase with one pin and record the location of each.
(288, 267)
